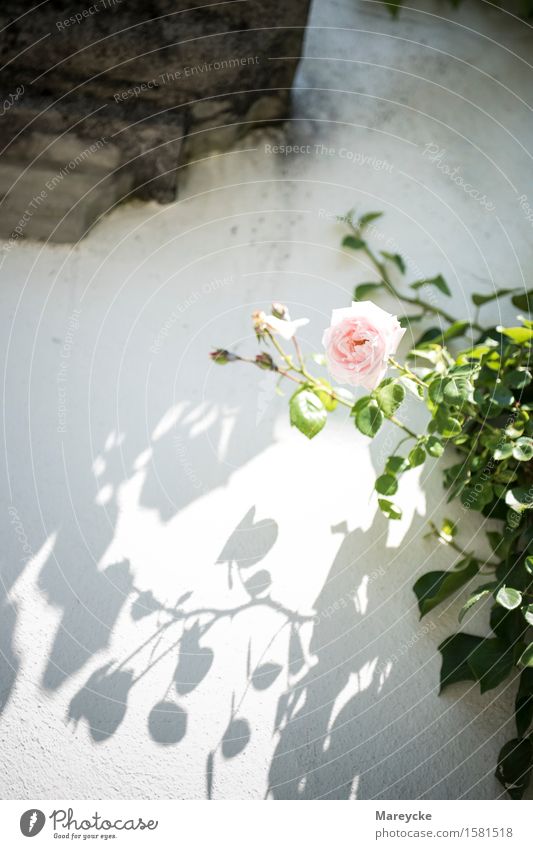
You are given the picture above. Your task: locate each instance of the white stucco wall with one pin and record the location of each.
(198, 601)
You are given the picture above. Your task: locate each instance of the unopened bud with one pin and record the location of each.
(280, 311)
(258, 319)
(266, 362)
(221, 356)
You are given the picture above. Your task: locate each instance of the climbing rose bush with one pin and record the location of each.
(475, 383)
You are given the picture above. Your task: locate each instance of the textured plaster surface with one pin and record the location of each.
(196, 600)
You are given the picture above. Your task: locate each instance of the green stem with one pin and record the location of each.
(398, 423)
(407, 372)
(417, 302)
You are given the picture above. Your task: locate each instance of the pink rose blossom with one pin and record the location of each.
(359, 342)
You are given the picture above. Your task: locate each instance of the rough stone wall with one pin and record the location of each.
(161, 82)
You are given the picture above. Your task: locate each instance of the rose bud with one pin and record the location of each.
(359, 342)
(266, 362)
(221, 356)
(280, 311)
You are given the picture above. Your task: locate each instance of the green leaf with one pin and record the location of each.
(501, 395)
(329, 402)
(448, 529)
(389, 509)
(364, 290)
(528, 614)
(395, 465)
(434, 587)
(435, 390)
(523, 449)
(523, 301)
(519, 498)
(528, 563)
(491, 662)
(353, 243)
(452, 427)
(481, 592)
(369, 418)
(515, 762)
(416, 456)
(455, 651)
(456, 329)
(509, 598)
(396, 259)
(520, 335)
(479, 300)
(524, 702)
(389, 395)
(434, 447)
(386, 485)
(439, 282)
(455, 390)
(307, 413)
(368, 217)
(503, 451)
(518, 378)
(526, 658)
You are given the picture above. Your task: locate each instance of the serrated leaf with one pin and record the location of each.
(369, 418)
(389, 395)
(307, 413)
